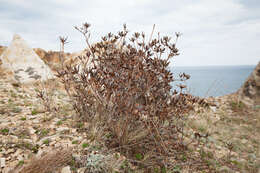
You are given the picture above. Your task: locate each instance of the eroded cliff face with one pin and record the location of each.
(52, 58)
(2, 49)
(250, 91)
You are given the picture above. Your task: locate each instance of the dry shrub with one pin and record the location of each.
(46, 91)
(49, 162)
(127, 84)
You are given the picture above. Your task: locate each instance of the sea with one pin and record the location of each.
(206, 81)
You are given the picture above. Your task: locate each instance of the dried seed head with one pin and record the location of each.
(86, 25)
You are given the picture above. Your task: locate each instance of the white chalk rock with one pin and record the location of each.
(23, 63)
(66, 170)
(2, 162)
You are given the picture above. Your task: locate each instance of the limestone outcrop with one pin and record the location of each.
(250, 91)
(23, 63)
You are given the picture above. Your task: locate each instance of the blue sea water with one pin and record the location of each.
(214, 81)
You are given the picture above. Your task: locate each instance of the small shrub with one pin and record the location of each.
(96, 163)
(126, 86)
(46, 94)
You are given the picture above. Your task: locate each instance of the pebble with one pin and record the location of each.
(2, 162)
(81, 170)
(28, 141)
(73, 130)
(225, 169)
(31, 130)
(213, 108)
(61, 129)
(14, 139)
(66, 170)
(52, 143)
(20, 157)
(10, 151)
(36, 121)
(244, 141)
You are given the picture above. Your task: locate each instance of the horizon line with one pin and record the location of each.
(212, 65)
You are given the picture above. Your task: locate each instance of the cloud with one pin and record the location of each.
(220, 32)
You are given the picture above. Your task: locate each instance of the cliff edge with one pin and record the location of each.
(249, 93)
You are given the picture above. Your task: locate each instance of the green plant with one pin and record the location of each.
(80, 125)
(46, 142)
(4, 131)
(34, 112)
(75, 142)
(85, 145)
(42, 132)
(59, 123)
(20, 163)
(138, 156)
(164, 170)
(23, 118)
(35, 148)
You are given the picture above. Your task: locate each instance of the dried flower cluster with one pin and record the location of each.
(126, 82)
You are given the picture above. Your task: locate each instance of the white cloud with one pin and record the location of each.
(215, 32)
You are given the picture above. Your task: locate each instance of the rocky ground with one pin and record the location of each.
(233, 142)
(226, 136)
(27, 130)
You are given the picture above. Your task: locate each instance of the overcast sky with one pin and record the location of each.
(215, 32)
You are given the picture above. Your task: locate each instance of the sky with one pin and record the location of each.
(214, 32)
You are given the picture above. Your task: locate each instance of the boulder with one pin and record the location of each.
(23, 64)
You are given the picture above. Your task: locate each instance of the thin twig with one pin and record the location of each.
(151, 34)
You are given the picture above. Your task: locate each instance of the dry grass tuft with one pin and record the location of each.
(48, 162)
